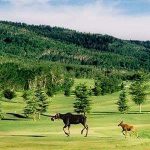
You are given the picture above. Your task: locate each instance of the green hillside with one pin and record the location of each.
(70, 47)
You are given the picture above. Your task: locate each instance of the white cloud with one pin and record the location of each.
(25, 2)
(94, 18)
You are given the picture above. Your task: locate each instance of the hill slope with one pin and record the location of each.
(71, 47)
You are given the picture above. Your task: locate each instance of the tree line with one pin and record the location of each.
(37, 101)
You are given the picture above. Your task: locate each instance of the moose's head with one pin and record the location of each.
(57, 116)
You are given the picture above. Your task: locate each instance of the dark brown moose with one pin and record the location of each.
(69, 119)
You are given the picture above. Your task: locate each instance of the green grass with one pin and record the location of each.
(104, 134)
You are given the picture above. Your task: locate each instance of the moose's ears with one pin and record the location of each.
(121, 121)
(58, 115)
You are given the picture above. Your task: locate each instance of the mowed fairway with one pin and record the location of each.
(104, 134)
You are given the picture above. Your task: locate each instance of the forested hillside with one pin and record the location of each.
(70, 47)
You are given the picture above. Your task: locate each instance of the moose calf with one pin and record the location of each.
(127, 128)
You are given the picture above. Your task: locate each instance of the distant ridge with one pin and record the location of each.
(71, 47)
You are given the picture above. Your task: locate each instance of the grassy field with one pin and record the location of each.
(104, 134)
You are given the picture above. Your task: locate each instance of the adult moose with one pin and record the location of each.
(69, 119)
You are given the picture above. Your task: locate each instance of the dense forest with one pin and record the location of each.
(70, 47)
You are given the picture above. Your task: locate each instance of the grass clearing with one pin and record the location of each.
(25, 134)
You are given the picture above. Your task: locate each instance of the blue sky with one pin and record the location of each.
(135, 7)
(127, 19)
(130, 7)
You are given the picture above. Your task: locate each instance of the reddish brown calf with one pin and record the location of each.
(128, 128)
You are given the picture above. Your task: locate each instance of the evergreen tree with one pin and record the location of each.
(42, 101)
(68, 83)
(97, 89)
(122, 102)
(138, 92)
(50, 85)
(50, 91)
(36, 103)
(122, 87)
(82, 103)
(31, 108)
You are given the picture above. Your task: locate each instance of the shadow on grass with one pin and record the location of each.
(10, 119)
(104, 113)
(137, 112)
(115, 113)
(13, 119)
(16, 115)
(38, 136)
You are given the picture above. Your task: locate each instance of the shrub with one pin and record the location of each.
(9, 94)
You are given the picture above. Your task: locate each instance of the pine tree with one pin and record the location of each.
(122, 102)
(36, 103)
(122, 87)
(51, 87)
(68, 83)
(82, 104)
(42, 101)
(97, 89)
(31, 107)
(50, 91)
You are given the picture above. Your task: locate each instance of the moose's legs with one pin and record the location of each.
(131, 132)
(124, 132)
(67, 124)
(134, 132)
(68, 129)
(85, 127)
(82, 130)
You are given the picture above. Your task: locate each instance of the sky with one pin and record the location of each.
(125, 19)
